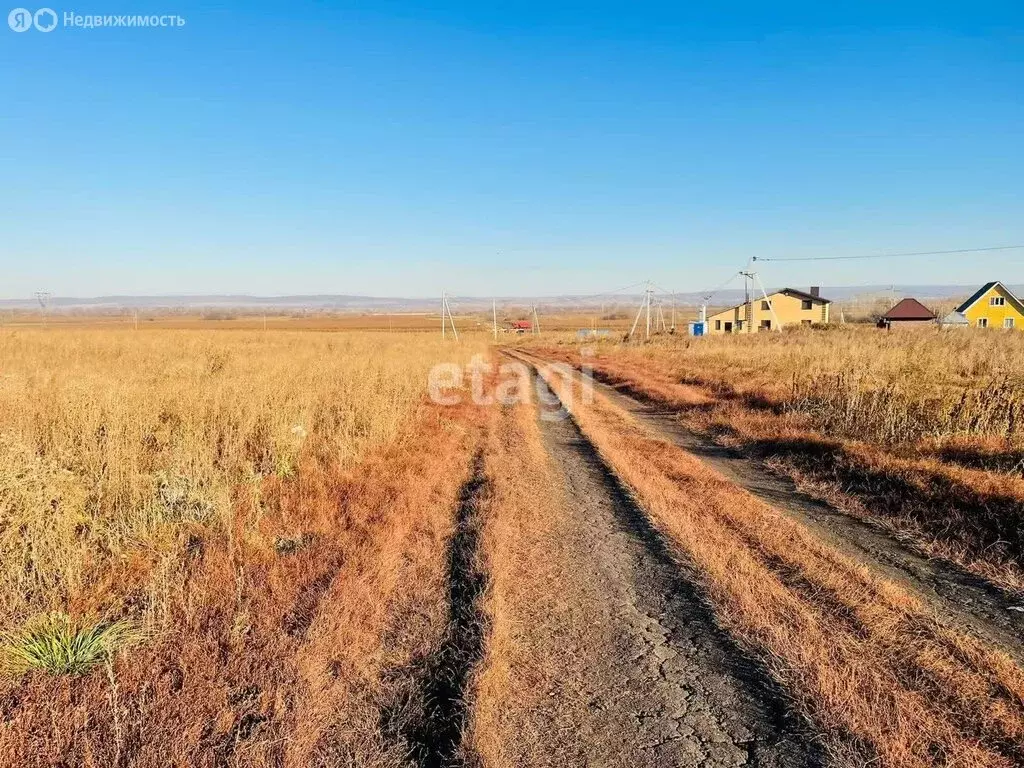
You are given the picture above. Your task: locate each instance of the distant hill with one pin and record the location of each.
(354, 303)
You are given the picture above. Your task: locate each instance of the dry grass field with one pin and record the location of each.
(922, 431)
(229, 546)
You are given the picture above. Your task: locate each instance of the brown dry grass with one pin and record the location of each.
(527, 710)
(883, 387)
(113, 443)
(882, 675)
(923, 432)
(275, 577)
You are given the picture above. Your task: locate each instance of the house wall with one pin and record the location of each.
(902, 325)
(788, 309)
(717, 321)
(996, 316)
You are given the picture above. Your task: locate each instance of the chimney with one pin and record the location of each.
(815, 291)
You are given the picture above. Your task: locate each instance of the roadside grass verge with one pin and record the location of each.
(960, 511)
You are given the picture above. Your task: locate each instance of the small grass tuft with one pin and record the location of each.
(60, 645)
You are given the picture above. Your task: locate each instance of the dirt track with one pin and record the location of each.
(661, 683)
(964, 598)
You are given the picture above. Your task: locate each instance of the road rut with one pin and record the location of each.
(668, 687)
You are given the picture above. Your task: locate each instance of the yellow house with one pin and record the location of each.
(993, 306)
(788, 307)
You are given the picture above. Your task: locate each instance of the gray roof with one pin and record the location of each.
(985, 289)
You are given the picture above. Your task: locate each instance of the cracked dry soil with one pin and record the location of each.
(664, 685)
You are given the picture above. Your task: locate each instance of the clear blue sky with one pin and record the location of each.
(396, 148)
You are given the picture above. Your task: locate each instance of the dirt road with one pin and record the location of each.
(650, 680)
(886, 670)
(963, 597)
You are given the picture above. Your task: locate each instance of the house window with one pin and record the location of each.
(807, 322)
(983, 322)
(718, 325)
(765, 306)
(766, 325)
(997, 301)
(728, 327)
(1008, 322)
(806, 304)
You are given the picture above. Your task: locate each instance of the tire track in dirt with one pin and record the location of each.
(441, 695)
(676, 689)
(970, 600)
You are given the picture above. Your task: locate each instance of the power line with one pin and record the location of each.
(608, 293)
(707, 294)
(889, 255)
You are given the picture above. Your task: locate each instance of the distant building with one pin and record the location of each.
(993, 306)
(908, 313)
(782, 309)
(522, 326)
(955, 320)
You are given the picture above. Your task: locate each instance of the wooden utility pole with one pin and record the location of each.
(494, 317)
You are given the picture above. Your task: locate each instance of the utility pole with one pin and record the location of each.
(43, 297)
(644, 307)
(446, 318)
(494, 316)
(536, 321)
(648, 309)
(748, 304)
(755, 282)
(645, 304)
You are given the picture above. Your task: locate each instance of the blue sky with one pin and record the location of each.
(509, 148)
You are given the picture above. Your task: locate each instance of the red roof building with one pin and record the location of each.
(907, 312)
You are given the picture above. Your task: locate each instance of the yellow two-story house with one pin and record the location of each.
(782, 309)
(993, 306)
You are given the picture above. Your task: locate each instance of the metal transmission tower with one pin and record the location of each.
(446, 318)
(644, 305)
(536, 321)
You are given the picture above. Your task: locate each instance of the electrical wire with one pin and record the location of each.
(890, 255)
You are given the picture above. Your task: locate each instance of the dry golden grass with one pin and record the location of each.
(264, 503)
(882, 675)
(855, 381)
(921, 431)
(235, 320)
(113, 442)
